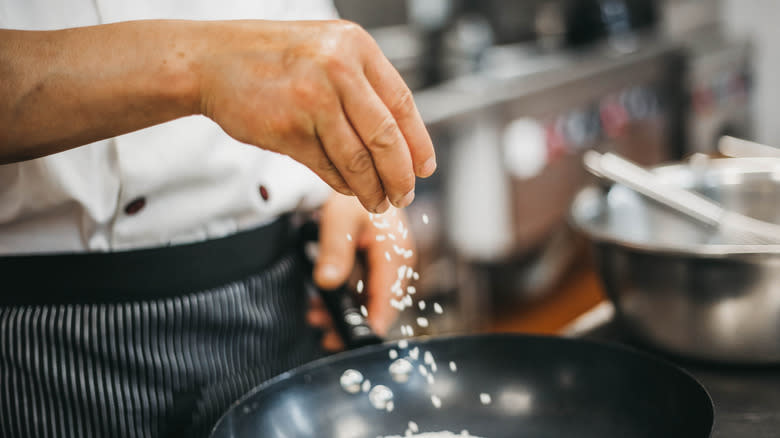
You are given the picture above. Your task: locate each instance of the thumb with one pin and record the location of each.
(337, 246)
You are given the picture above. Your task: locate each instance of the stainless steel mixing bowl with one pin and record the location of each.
(677, 284)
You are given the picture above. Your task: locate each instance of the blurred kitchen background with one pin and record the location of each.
(514, 92)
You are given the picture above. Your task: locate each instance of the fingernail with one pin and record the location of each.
(405, 200)
(382, 207)
(428, 167)
(330, 272)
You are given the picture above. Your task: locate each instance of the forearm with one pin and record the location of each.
(61, 89)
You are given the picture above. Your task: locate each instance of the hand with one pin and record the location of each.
(323, 93)
(340, 216)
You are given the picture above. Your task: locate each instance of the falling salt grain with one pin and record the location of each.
(416, 276)
(414, 353)
(436, 401)
(403, 343)
(422, 369)
(485, 398)
(366, 385)
(391, 236)
(409, 273)
(364, 311)
(351, 380)
(387, 256)
(431, 380)
(407, 300)
(422, 321)
(390, 406)
(349, 237)
(408, 254)
(393, 354)
(380, 396)
(411, 290)
(437, 308)
(360, 286)
(425, 218)
(404, 234)
(413, 427)
(421, 304)
(428, 357)
(402, 271)
(400, 370)
(380, 237)
(453, 367)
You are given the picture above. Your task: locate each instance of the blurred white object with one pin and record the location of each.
(738, 148)
(735, 226)
(525, 148)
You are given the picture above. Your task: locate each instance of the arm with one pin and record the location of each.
(320, 92)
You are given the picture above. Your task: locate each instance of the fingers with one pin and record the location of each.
(354, 162)
(337, 251)
(382, 138)
(397, 97)
(313, 156)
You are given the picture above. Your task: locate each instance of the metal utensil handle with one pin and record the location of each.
(635, 177)
(351, 325)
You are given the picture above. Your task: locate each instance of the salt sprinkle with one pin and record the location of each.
(409, 273)
(380, 237)
(403, 343)
(394, 354)
(428, 357)
(416, 276)
(398, 250)
(414, 353)
(407, 300)
(422, 321)
(402, 271)
(425, 218)
(360, 286)
(390, 406)
(404, 234)
(411, 290)
(413, 427)
(436, 401)
(485, 398)
(422, 369)
(453, 367)
(431, 380)
(349, 237)
(437, 308)
(366, 385)
(387, 256)
(391, 236)
(408, 254)
(421, 304)
(364, 311)
(350, 381)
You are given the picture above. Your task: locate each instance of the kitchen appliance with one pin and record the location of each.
(676, 288)
(537, 386)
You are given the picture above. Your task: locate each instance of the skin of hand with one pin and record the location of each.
(342, 215)
(321, 92)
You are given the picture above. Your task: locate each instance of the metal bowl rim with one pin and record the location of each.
(726, 251)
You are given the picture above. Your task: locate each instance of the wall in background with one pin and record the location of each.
(760, 20)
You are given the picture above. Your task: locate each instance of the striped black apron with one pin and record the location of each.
(148, 343)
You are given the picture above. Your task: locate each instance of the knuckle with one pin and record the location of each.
(403, 105)
(385, 135)
(360, 162)
(351, 30)
(304, 91)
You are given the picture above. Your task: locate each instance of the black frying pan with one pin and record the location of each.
(540, 387)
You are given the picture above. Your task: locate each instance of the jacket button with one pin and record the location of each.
(135, 205)
(264, 193)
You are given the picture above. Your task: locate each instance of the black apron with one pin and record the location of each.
(148, 343)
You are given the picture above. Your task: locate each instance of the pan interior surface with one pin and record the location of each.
(538, 386)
